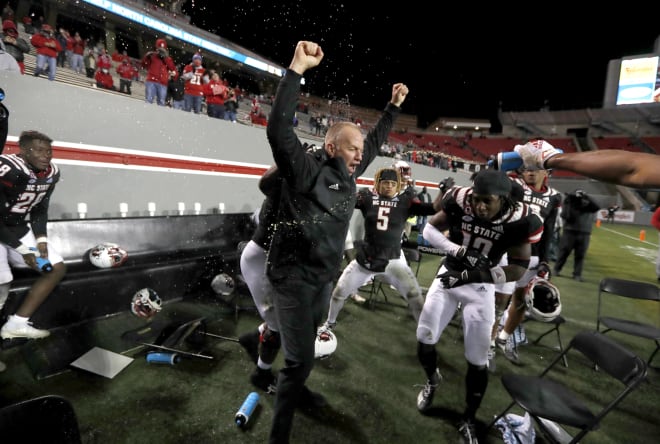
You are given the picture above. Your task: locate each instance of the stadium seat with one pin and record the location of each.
(566, 414)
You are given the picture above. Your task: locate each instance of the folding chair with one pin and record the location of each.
(634, 290)
(412, 255)
(556, 323)
(561, 414)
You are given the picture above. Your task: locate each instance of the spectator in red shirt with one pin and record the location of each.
(193, 73)
(104, 79)
(126, 73)
(216, 93)
(47, 48)
(160, 67)
(14, 45)
(78, 52)
(104, 60)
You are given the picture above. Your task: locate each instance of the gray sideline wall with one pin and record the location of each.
(73, 114)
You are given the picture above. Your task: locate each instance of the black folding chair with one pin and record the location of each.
(561, 414)
(413, 256)
(614, 322)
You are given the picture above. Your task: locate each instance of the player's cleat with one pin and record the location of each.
(10, 331)
(265, 380)
(310, 400)
(358, 299)
(509, 350)
(468, 432)
(491, 359)
(425, 396)
(250, 342)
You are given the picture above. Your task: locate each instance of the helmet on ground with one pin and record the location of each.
(542, 300)
(223, 284)
(146, 303)
(404, 169)
(107, 255)
(325, 344)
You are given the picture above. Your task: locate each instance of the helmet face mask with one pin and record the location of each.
(146, 303)
(543, 300)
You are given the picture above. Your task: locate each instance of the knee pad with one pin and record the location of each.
(271, 338)
(270, 346)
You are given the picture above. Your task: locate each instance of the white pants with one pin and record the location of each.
(253, 269)
(397, 273)
(12, 258)
(478, 305)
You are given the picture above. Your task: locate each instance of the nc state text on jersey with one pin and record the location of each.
(480, 231)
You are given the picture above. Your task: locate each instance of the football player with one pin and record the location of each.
(385, 212)
(262, 344)
(27, 180)
(546, 201)
(484, 222)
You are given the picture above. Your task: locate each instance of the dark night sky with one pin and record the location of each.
(457, 61)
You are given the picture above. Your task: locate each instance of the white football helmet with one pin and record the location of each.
(223, 284)
(107, 255)
(325, 344)
(543, 300)
(404, 169)
(146, 303)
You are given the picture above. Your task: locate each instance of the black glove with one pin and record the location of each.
(453, 279)
(473, 259)
(446, 184)
(543, 271)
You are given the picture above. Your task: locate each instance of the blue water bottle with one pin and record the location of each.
(243, 414)
(43, 264)
(163, 358)
(508, 161)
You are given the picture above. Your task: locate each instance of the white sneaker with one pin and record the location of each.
(3, 367)
(22, 331)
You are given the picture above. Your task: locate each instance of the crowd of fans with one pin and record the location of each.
(188, 86)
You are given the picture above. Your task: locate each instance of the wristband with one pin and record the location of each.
(24, 249)
(42, 239)
(498, 275)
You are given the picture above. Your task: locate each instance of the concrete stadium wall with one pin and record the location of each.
(232, 156)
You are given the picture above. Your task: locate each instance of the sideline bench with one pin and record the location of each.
(177, 256)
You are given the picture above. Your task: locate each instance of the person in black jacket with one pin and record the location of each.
(579, 214)
(316, 203)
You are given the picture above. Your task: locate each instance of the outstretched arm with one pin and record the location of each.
(636, 170)
(631, 169)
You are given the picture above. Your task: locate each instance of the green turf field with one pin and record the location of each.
(371, 381)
